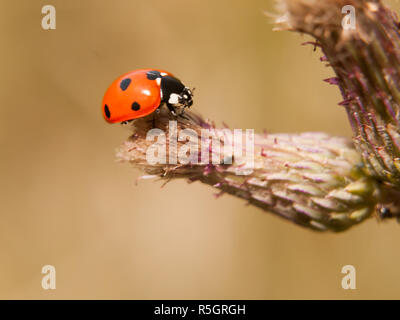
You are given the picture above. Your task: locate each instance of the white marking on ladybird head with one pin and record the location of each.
(173, 98)
(158, 80)
(163, 74)
(146, 92)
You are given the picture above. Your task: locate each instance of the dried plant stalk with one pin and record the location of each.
(313, 179)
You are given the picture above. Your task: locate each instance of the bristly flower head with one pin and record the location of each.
(366, 60)
(312, 179)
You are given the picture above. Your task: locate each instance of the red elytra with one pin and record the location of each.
(133, 95)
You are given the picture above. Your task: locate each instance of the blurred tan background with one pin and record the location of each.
(66, 202)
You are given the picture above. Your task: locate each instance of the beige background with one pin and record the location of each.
(66, 202)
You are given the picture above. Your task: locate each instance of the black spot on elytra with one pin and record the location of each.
(125, 84)
(153, 75)
(107, 111)
(135, 106)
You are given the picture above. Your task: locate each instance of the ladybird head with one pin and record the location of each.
(186, 97)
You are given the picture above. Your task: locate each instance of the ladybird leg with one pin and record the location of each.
(183, 116)
(183, 110)
(155, 113)
(171, 108)
(155, 116)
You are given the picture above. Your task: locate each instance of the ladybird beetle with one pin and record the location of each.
(140, 92)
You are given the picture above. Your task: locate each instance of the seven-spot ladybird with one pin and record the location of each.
(139, 93)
